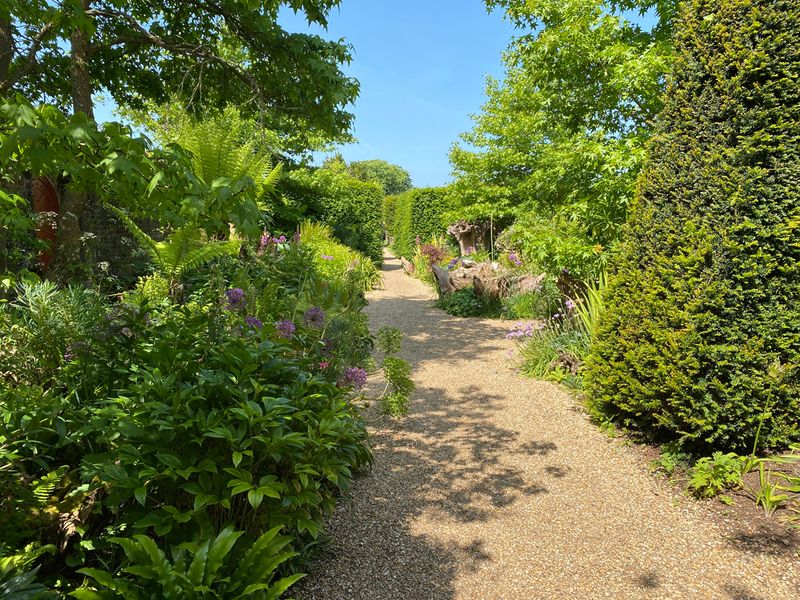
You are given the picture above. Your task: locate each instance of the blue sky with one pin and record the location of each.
(422, 66)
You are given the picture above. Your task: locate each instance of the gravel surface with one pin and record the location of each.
(498, 487)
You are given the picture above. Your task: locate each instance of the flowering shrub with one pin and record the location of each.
(163, 423)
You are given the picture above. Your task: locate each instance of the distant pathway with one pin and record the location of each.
(497, 487)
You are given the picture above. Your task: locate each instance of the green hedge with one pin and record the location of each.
(701, 340)
(416, 213)
(352, 208)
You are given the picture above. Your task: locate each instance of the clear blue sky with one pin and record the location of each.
(422, 66)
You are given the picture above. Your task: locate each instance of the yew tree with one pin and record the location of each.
(700, 340)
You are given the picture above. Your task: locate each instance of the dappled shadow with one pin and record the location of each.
(432, 334)
(767, 540)
(736, 592)
(392, 266)
(445, 462)
(648, 581)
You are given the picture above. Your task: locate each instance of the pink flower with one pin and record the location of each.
(324, 365)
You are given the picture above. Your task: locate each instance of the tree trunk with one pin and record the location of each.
(79, 71)
(6, 47)
(69, 256)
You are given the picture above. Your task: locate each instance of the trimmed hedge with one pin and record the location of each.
(701, 339)
(416, 213)
(352, 208)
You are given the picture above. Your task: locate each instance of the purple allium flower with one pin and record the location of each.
(354, 377)
(254, 322)
(235, 298)
(282, 239)
(570, 305)
(314, 317)
(515, 259)
(285, 329)
(264, 242)
(326, 257)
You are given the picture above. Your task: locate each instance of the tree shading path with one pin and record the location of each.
(497, 486)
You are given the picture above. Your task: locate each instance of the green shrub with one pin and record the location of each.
(396, 371)
(541, 304)
(701, 336)
(551, 350)
(334, 261)
(711, 475)
(554, 244)
(418, 213)
(160, 426)
(465, 303)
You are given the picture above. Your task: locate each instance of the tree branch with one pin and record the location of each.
(30, 60)
(146, 37)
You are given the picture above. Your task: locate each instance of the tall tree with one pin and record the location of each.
(202, 53)
(392, 178)
(560, 140)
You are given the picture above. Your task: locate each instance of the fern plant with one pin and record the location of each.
(209, 570)
(183, 250)
(223, 149)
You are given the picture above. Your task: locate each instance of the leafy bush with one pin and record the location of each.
(701, 335)
(554, 245)
(465, 303)
(711, 475)
(167, 429)
(541, 304)
(334, 261)
(416, 214)
(397, 372)
(553, 350)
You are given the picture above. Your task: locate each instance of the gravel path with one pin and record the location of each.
(498, 487)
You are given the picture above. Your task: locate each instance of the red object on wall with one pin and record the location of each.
(45, 200)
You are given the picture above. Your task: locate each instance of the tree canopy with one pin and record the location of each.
(560, 139)
(393, 179)
(202, 53)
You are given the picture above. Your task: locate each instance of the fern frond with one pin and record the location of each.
(207, 252)
(144, 240)
(174, 249)
(271, 180)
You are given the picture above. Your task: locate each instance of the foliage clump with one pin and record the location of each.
(209, 428)
(701, 337)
